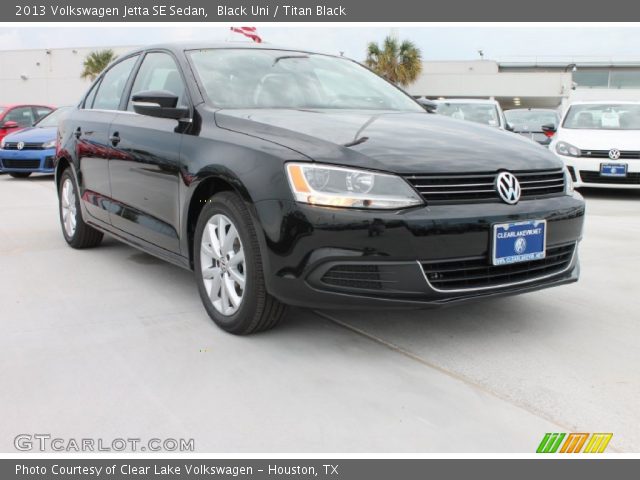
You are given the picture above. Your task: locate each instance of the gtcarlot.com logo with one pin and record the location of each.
(574, 442)
(45, 442)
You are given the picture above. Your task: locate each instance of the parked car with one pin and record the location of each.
(486, 112)
(293, 178)
(33, 149)
(528, 122)
(16, 117)
(600, 143)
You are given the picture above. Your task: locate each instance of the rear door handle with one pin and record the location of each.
(115, 139)
(78, 133)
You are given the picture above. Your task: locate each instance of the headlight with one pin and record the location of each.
(564, 148)
(568, 182)
(48, 145)
(345, 187)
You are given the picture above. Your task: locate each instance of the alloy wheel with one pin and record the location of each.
(68, 207)
(223, 264)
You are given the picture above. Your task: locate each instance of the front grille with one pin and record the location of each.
(27, 146)
(632, 178)
(480, 187)
(628, 154)
(18, 164)
(354, 276)
(478, 273)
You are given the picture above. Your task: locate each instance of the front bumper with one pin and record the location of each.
(383, 258)
(34, 161)
(585, 172)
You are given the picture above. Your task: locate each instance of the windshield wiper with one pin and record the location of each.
(286, 57)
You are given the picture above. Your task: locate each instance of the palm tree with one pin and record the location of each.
(400, 63)
(96, 62)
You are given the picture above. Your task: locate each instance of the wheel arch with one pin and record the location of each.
(202, 192)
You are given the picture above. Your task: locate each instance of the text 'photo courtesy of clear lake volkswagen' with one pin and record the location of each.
(285, 177)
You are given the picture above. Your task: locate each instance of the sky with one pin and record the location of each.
(436, 43)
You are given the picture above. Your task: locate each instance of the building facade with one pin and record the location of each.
(47, 76)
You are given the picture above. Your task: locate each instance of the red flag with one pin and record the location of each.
(248, 32)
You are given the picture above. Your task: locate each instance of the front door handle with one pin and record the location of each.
(115, 139)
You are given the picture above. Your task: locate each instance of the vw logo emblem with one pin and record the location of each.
(614, 154)
(520, 245)
(508, 187)
(20, 145)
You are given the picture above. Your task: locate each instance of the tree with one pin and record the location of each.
(400, 63)
(96, 62)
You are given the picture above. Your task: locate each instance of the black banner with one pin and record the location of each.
(121, 469)
(317, 11)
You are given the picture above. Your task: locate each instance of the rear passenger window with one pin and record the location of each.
(88, 103)
(112, 86)
(159, 72)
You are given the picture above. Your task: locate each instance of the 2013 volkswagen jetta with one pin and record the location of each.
(292, 178)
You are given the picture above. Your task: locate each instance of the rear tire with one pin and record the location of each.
(20, 174)
(77, 233)
(232, 287)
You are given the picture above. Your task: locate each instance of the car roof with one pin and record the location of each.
(9, 106)
(466, 100)
(605, 102)
(177, 47)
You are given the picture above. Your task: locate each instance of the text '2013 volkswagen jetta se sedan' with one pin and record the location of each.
(293, 178)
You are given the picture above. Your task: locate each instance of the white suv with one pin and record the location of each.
(599, 142)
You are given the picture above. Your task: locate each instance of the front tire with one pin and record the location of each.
(76, 232)
(20, 174)
(228, 268)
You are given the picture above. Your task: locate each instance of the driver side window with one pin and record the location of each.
(159, 72)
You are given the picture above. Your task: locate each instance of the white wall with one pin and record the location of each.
(51, 78)
(482, 78)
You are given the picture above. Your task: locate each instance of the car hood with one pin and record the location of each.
(587, 139)
(392, 141)
(33, 134)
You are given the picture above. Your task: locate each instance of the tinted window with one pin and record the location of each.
(530, 120)
(88, 103)
(591, 78)
(485, 113)
(41, 112)
(247, 78)
(112, 85)
(23, 116)
(603, 117)
(159, 72)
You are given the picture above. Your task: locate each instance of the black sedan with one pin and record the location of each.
(292, 178)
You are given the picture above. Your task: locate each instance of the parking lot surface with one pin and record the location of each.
(111, 342)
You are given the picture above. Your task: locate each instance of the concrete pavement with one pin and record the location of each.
(112, 342)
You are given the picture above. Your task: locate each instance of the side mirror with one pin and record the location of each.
(509, 127)
(158, 103)
(9, 125)
(549, 130)
(428, 105)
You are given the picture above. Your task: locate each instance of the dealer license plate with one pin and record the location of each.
(613, 169)
(519, 241)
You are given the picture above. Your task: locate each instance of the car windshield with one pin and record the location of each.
(53, 118)
(485, 113)
(257, 78)
(603, 117)
(530, 120)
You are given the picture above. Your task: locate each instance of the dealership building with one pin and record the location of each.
(52, 76)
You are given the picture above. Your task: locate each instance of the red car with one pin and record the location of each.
(17, 117)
